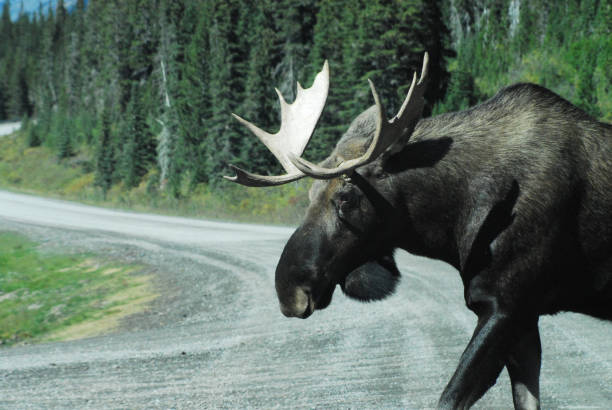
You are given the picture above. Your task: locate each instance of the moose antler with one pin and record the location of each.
(387, 131)
(298, 121)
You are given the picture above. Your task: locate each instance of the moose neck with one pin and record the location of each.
(421, 216)
(430, 199)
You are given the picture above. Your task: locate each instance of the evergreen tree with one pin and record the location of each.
(67, 68)
(138, 152)
(434, 37)
(193, 98)
(3, 102)
(6, 40)
(259, 103)
(223, 141)
(334, 39)
(586, 93)
(175, 145)
(32, 136)
(461, 93)
(65, 147)
(18, 91)
(105, 155)
(527, 28)
(391, 41)
(294, 22)
(6, 29)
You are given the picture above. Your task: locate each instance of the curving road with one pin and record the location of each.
(215, 337)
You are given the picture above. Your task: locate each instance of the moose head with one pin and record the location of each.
(351, 228)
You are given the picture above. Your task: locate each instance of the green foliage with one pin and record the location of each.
(259, 108)
(64, 146)
(461, 94)
(3, 102)
(334, 40)
(64, 69)
(138, 148)
(565, 46)
(29, 128)
(225, 84)
(381, 40)
(170, 129)
(36, 170)
(105, 154)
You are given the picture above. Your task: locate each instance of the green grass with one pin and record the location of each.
(50, 296)
(37, 170)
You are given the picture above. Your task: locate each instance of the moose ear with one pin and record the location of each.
(374, 280)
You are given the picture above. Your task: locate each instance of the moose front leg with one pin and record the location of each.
(480, 363)
(523, 365)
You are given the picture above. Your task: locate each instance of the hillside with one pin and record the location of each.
(136, 94)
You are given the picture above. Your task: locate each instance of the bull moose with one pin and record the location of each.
(515, 193)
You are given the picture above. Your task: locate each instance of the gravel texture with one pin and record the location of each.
(215, 338)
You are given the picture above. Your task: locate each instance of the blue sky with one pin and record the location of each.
(31, 6)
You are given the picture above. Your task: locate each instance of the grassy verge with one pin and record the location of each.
(45, 296)
(37, 170)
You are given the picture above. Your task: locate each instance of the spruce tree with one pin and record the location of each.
(62, 131)
(138, 151)
(18, 89)
(461, 92)
(586, 93)
(223, 141)
(193, 102)
(6, 29)
(333, 40)
(259, 103)
(105, 155)
(3, 102)
(168, 154)
(32, 135)
(527, 32)
(390, 47)
(434, 37)
(294, 24)
(6, 41)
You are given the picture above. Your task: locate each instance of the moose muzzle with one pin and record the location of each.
(297, 305)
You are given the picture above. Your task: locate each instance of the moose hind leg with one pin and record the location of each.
(523, 365)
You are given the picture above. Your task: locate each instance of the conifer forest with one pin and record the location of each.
(143, 89)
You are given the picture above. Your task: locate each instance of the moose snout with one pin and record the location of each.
(299, 305)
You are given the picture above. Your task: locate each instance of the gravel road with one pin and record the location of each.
(215, 338)
(8, 128)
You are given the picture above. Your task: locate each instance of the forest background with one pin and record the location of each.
(127, 102)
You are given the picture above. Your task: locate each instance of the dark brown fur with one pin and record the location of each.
(516, 193)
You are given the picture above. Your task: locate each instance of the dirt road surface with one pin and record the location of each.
(215, 338)
(8, 128)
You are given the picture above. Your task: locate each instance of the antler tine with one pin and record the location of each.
(418, 88)
(387, 132)
(298, 121)
(254, 180)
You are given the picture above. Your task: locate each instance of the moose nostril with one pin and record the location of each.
(288, 312)
(299, 306)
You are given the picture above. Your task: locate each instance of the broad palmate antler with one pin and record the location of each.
(298, 121)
